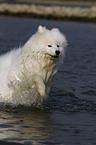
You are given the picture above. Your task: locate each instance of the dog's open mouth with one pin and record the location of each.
(54, 56)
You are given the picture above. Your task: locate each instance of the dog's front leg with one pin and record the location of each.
(40, 86)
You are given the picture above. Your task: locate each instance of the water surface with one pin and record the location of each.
(69, 115)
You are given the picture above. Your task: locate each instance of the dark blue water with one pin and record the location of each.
(69, 115)
(42, 4)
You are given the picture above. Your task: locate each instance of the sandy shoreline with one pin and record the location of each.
(50, 12)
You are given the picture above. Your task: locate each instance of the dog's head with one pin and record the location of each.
(50, 43)
(53, 42)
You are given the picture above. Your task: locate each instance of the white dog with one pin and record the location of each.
(27, 73)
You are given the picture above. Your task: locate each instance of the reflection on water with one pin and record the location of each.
(44, 127)
(25, 125)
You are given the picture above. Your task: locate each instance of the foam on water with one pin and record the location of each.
(24, 96)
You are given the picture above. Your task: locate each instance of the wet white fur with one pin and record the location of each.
(27, 73)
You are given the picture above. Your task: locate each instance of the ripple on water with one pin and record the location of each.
(69, 103)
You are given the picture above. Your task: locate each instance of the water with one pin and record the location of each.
(69, 115)
(42, 4)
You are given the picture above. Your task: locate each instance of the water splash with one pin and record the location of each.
(23, 95)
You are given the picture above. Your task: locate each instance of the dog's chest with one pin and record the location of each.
(48, 75)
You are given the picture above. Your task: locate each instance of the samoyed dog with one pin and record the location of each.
(27, 73)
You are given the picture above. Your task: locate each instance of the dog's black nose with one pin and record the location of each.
(57, 52)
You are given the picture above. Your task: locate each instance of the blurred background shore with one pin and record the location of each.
(56, 2)
(72, 10)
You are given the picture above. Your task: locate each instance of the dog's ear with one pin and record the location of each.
(41, 29)
(55, 30)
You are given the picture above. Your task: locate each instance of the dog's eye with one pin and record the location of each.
(49, 45)
(57, 45)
